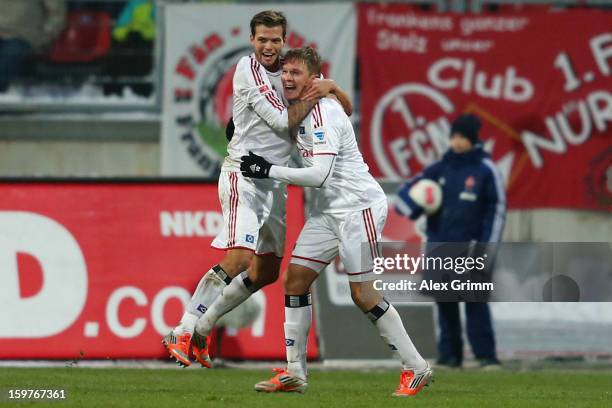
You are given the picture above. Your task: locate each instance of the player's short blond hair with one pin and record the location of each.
(269, 18)
(308, 55)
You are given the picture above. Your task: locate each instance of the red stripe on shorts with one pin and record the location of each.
(233, 209)
(367, 227)
(370, 231)
(375, 242)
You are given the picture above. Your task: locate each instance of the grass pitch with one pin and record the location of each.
(112, 387)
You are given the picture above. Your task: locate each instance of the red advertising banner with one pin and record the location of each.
(103, 270)
(540, 81)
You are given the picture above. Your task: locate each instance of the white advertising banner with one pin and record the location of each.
(203, 43)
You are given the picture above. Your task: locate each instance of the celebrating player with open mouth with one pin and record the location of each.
(349, 208)
(253, 233)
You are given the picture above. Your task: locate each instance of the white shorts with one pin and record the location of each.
(354, 235)
(254, 215)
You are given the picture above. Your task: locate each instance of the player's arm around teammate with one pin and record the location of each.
(320, 88)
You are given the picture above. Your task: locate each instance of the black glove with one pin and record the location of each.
(254, 166)
(229, 129)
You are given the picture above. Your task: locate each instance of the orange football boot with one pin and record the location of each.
(282, 382)
(411, 383)
(179, 348)
(199, 347)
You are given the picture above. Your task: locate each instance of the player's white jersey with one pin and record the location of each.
(328, 131)
(260, 115)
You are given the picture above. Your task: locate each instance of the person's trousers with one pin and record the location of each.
(479, 331)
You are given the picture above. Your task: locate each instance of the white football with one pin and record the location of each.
(428, 194)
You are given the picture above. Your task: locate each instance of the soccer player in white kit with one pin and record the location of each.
(253, 233)
(347, 215)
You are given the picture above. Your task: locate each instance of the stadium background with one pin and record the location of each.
(110, 143)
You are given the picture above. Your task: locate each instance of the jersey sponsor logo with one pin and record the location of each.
(250, 238)
(320, 135)
(289, 342)
(264, 88)
(201, 308)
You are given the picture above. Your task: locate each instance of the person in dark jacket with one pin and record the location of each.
(472, 211)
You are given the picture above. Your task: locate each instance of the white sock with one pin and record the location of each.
(234, 294)
(391, 329)
(187, 321)
(298, 317)
(209, 288)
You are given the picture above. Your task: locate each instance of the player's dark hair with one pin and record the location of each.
(308, 56)
(269, 18)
